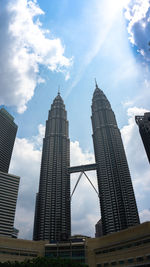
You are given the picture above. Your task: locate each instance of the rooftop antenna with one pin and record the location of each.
(96, 83)
(58, 89)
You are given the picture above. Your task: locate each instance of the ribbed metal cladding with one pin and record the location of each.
(52, 214)
(117, 200)
(9, 185)
(8, 131)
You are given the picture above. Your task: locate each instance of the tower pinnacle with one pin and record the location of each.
(58, 89)
(96, 83)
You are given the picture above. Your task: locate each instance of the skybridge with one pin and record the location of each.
(82, 169)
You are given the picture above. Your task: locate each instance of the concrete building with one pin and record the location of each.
(52, 213)
(74, 248)
(127, 248)
(15, 233)
(130, 247)
(144, 128)
(9, 185)
(8, 130)
(117, 200)
(12, 249)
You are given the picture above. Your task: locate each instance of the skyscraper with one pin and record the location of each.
(144, 128)
(117, 200)
(9, 185)
(52, 214)
(8, 131)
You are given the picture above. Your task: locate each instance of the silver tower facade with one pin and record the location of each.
(117, 200)
(52, 213)
(8, 130)
(9, 185)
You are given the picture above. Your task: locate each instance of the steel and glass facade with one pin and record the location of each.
(9, 185)
(117, 200)
(52, 213)
(8, 130)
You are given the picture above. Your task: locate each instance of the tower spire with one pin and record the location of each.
(96, 83)
(58, 89)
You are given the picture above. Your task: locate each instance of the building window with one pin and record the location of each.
(139, 259)
(121, 262)
(146, 241)
(130, 260)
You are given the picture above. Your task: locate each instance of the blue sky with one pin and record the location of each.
(47, 44)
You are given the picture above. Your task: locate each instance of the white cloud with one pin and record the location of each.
(24, 45)
(128, 130)
(137, 12)
(145, 215)
(37, 140)
(26, 164)
(78, 157)
(26, 161)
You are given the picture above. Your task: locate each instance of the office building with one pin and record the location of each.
(52, 213)
(117, 200)
(8, 131)
(9, 185)
(144, 128)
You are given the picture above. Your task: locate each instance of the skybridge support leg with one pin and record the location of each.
(76, 184)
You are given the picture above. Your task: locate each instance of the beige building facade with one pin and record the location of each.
(130, 247)
(12, 249)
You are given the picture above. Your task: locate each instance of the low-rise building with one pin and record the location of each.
(130, 247)
(74, 249)
(12, 249)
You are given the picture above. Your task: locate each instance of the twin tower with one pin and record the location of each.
(117, 201)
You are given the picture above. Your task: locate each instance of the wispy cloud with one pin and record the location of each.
(97, 27)
(145, 215)
(24, 45)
